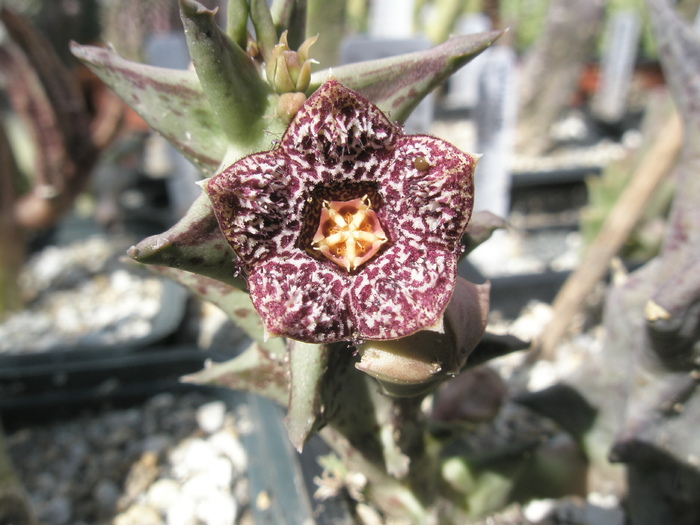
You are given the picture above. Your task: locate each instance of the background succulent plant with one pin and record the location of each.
(657, 338)
(633, 404)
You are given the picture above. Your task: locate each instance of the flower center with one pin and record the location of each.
(349, 233)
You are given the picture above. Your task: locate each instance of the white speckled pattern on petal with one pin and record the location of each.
(300, 295)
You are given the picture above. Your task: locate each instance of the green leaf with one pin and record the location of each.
(256, 370)
(170, 101)
(194, 244)
(265, 32)
(230, 80)
(237, 22)
(307, 364)
(233, 301)
(398, 84)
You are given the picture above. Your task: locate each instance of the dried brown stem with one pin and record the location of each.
(12, 250)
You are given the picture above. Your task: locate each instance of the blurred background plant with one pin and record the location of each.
(51, 138)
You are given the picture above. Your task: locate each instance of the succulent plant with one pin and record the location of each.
(657, 439)
(325, 232)
(634, 404)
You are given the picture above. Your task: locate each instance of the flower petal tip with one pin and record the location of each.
(438, 327)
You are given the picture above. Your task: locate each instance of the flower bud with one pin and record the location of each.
(289, 71)
(417, 364)
(288, 105)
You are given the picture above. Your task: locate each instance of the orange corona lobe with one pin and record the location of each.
(349, 233)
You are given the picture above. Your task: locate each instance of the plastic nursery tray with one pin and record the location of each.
(58, 384)
(98, 354)
(510, 294)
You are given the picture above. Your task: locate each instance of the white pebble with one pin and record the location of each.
(217, 508)
(231, 447)
(606, 501)
(49, 265)
(192, 456)
(121, 280)
(221, 473)
(182, 512)
(198, 487)
(538, 510)
(163, 494)
(138, 515)
(210, 416)
(542, 375)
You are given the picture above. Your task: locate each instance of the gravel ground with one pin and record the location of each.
(178, 460)
(71, 292)
(175, 460)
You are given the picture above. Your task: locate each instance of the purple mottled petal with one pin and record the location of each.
(433, 205)
(404, 290)
(302, 298)
(251, 200)
(336, 123)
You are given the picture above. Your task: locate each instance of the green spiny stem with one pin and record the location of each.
(265, 32)
(411, 429)
(349, 399)
(237, 22)
(230, 80)
(153, 92)
(381, 437)
(397, 84)
(291, 15)
(389, 495)
(327, 20)
(307, 363)
(194, 244)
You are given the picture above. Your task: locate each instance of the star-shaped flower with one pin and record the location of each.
(349, 229)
